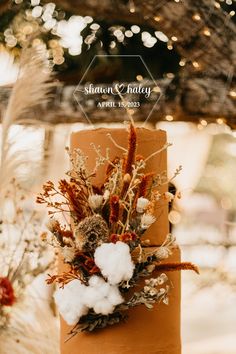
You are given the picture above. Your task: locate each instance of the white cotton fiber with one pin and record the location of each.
(75, 299)
(70, 301)
(114, 261)
(101, 296)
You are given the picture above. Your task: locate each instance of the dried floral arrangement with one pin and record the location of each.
(109, 268)
(22, 256)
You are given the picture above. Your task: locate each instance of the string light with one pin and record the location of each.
(217, 5)
(157, 18)
(232, 13)
(156, 89)
(207, 32)
(220, 121)
(139, 77)
(131, 6)
(170, 75)
(200, 126)
(169, 46)
(174, 38)
(196, 17)
(196, 65)
(232, 94)
(182, 62)
(169, 118)
(203, 122)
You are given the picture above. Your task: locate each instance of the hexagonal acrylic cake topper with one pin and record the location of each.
(118, 97)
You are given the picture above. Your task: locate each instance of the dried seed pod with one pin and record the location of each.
(91, 233)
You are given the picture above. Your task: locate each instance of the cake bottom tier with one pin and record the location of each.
(155, 331)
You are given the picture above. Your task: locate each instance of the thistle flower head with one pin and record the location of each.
(91, 233)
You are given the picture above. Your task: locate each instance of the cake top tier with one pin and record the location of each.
(148, 142)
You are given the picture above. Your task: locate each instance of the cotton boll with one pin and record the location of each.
(101, 296)
(114, 296)
(75, 299)
(91, 296)
(96, 281)
(114, 261)
(70, 301)
(103, 307)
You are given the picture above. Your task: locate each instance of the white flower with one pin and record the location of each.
(169, 196)
(162, 252)
(106, 195)
(142, 204)
(114, 261)
(162, 279)
(147, 220)
(95, 201)
(70, 301)
(68, 253)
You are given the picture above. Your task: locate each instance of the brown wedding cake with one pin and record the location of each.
(145, 331)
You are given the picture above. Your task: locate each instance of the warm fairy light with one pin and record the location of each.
(196, 17)
(135, 29)
(128, 34)
(174, 39)
(200, 127)
(170, 75)
(232, 94)
(232, 13)
(169, 118)
(131, 7)
(217, 5)
(182, 62)
(169, 46)
(177, 0)
(203, 122)
(207, 32)
(131, 111)
(139, 77)
(195, 64)
(157, 18)
(220, 120)
(156, 89)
